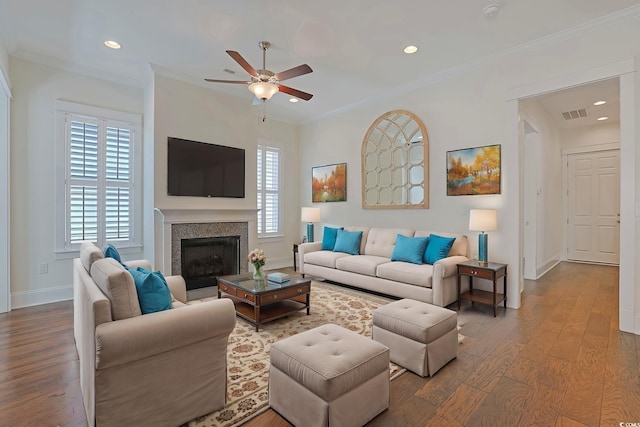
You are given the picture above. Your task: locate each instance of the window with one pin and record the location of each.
(269, 163)
(101, 203)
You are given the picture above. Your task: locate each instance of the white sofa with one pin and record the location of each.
(373, 269)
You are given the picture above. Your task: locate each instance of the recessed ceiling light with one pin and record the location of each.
(603, 118)
(294, 100)
(112, 44)
(599, 102)
(410, 49)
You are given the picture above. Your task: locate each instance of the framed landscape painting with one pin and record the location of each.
(329, 183)
(473, 171)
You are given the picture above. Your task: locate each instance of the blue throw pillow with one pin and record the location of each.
(437, 248)
(153, 291)
(409, 249)
(348, 242)
(111, 252)
(329, 238)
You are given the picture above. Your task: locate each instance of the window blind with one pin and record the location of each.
(100, 181)
(268, 171)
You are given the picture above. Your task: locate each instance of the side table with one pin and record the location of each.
(295, 256)
(492, 271)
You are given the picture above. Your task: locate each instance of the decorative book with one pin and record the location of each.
(278, 277)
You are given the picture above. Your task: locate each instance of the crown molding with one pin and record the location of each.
(79, 69)
(629, 13)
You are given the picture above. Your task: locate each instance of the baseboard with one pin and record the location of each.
(547, 266)
(41, 296)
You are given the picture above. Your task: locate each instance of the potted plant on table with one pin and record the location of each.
(257, 258)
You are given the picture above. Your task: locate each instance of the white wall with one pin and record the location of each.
(468, 109)
(194, 112)
(590, 135)
(549, 177)
(36, 87)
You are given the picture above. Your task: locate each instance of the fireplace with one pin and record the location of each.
(204, 259)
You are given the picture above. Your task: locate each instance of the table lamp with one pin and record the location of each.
(310, 215)
(482, 220)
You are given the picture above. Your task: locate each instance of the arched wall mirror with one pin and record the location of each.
(395, 163)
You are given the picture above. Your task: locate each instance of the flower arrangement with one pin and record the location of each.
(257, 258)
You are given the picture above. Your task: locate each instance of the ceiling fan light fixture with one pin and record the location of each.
(263, 90)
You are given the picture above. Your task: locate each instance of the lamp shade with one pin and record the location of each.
(310, 214)
(263, 90)
(482, 220)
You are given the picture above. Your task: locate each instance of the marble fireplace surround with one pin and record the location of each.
(172, 225)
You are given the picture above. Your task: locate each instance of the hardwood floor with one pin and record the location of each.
(559, 360)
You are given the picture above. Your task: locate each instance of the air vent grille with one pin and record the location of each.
(575, 114)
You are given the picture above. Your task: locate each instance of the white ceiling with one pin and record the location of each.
(354, 46)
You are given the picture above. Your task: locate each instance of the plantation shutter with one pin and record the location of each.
(100, 181)
(83, 181)
(268, 191)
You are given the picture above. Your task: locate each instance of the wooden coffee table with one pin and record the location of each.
(262, 301)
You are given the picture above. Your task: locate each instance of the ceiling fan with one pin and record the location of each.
(264, 83)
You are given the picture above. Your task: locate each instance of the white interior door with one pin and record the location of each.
(594, 206)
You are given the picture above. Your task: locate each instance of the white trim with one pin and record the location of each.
(591, 148)
(547, 266)
(42, 296)
(98, 112)
(5, 197)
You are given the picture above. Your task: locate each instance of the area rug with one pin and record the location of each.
(248, 350)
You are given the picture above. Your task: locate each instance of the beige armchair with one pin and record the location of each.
(157, 369)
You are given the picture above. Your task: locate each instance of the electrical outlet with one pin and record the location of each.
(44, 268)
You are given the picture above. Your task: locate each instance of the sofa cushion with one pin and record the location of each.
(324, 258)
(460, 246)
(409, 249)
(117, 285)
(153, 291)
(361, 264)
(89, 253)
(382, 241)
(437, 248)
(348, 242)
(329, 236)
(405, 272)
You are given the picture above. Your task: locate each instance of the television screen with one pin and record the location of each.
(204, 170)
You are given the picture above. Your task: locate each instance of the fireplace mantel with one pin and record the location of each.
(165, 218)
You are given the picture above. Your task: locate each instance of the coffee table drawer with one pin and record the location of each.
(223, 287)
(298, 290)
(246, 296)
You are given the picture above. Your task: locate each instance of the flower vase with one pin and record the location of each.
(257, 272)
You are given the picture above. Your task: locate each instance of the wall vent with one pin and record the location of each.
(575, 114)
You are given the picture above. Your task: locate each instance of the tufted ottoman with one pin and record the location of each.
(421, 337)
(329, 376)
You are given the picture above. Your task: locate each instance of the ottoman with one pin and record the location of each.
(329, 376)
(421, 337)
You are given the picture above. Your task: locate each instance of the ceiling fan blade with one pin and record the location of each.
(295, 92)
(243, 63)
(293, 72)
(228, 81)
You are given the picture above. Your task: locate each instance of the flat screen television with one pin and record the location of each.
(204, 170)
